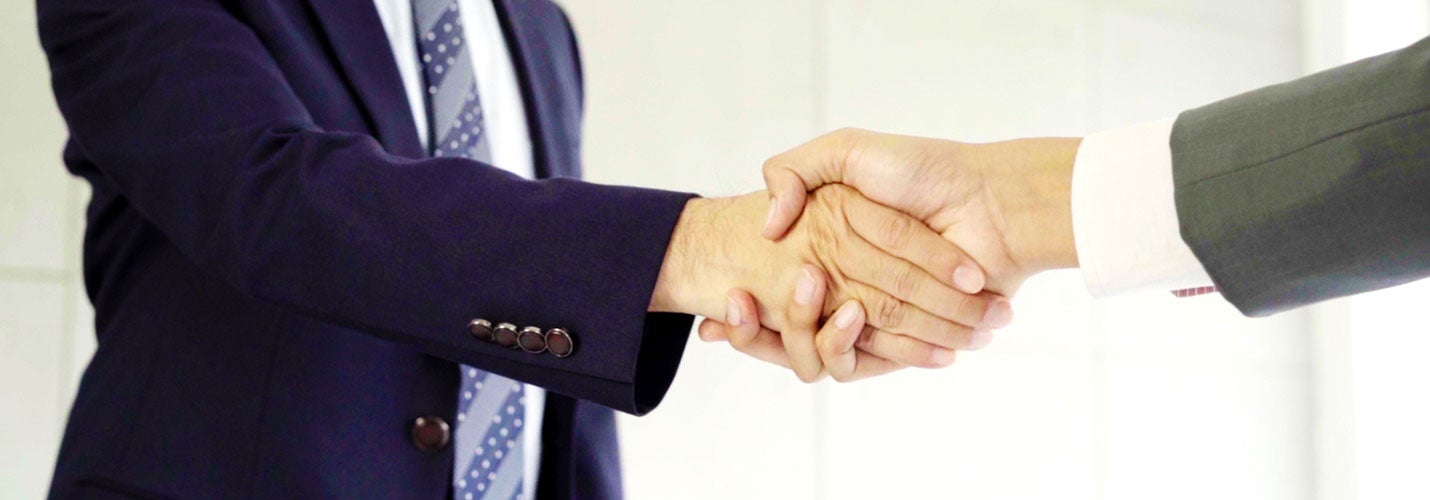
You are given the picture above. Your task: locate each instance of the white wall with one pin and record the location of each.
(45, 336)
(1138, 397)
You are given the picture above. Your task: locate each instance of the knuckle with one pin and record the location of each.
(824, 344)
(830, 197)
(890, 312)
(897, 233)
(826, 240)
(846, 133)
(773, 164)
(808, 377)
(825, 248)
(839, 195)
(906, 281)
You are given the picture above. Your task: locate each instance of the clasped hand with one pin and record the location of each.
(881, 251)
(894, 292)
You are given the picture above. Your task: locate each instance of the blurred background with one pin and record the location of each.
(1142, 396)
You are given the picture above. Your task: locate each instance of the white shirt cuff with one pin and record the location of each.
(1125, 217)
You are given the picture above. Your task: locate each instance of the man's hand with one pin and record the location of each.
(896, 267)
(1007, 204)
(836, 341)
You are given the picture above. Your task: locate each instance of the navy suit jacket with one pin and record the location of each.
(282, 280)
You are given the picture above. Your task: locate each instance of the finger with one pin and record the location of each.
(835, 341)
(908, 283)
(712, 331)
(748, 337)
(900, 235)
(789, 176)
(740, 322)
(868, 365)
(766, 345)
(801, 322)
(890, 314)
(901, 349)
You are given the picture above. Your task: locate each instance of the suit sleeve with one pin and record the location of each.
(1313, 189)
(180, 106)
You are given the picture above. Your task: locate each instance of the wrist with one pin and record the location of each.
(1032, 184)
(687, 273)
(716, 246)
(676, 279)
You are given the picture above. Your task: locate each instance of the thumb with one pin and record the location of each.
(791, 175)
(787, 197)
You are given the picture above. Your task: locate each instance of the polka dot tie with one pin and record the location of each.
(454, 111)
(487, 448)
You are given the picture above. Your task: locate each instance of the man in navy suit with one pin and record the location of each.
(321, 267)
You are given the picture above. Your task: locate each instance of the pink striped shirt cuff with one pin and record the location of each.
(1193, 292)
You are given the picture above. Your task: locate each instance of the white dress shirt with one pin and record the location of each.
(507, 133)
(1125, 217)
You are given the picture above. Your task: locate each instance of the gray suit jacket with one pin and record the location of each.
(1312, 189)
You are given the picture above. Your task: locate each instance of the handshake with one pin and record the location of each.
(879, 251)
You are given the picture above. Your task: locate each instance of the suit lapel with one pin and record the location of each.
(360, 43)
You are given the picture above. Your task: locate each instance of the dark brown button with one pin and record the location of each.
(559, 343)
(430, 434)
(480, 329)
(531, 340)
(505, 335)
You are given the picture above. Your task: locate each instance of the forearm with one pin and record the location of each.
(1030, 181)
(675, 287)
(709, 253)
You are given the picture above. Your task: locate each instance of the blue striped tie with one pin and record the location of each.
(489, 461)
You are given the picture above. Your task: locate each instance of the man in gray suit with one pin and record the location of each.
(1278, 198)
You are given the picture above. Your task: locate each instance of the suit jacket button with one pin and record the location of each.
(559, 343)
(480, 329)
(532, 340)
(430, 434)
(505, 335)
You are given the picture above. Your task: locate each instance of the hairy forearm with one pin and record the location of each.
(709, 253)
(674, 288)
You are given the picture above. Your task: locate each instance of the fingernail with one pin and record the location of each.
(968, 279)
(844, 318)
(770, 214)
(732, 313)
(804, 290)
(981, 339)
(999, 314)
(943, 357)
